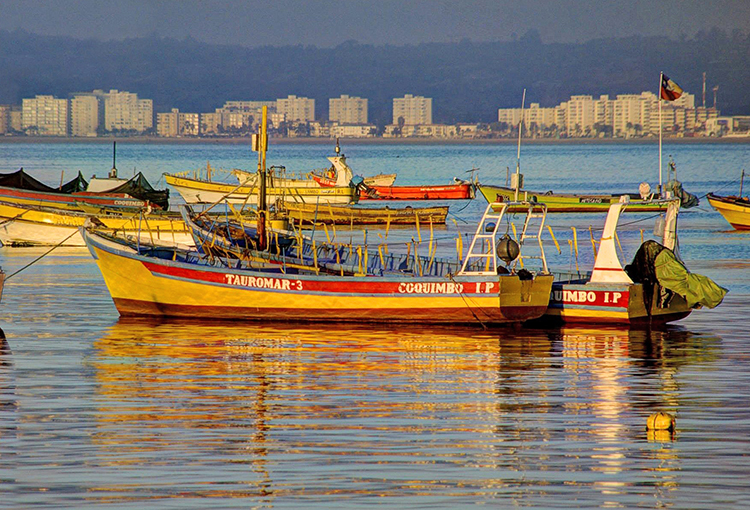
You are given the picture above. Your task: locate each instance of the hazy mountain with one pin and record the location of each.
(468, 81)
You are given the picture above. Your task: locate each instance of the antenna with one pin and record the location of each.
(716, 89)
(704, 89)
(113, 172)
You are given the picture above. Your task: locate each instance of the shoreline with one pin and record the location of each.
(369, 141)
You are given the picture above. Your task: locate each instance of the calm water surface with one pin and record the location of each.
(101, 412)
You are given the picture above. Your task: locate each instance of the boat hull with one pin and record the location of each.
(195, 191)
(563, 203)
(141, 285)
(69, 201)
(42, 226)
(345, 215)
(449, 192)
(603, 303)
(735, 210)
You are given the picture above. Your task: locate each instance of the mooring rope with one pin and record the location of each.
(41, 256)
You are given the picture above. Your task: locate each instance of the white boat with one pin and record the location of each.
(655, 289)
(197, 190)
(28, 225)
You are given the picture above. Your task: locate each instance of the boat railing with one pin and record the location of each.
(487, 246)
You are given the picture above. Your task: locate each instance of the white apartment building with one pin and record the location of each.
(45, 116)
(4, 118)
(85, 114)
(627, 115)
(352, 130)
(124, 111)
(296, 109)
(347, 110)
(175, 123)
(414, 110)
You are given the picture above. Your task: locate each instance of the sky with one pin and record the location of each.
(328, 23)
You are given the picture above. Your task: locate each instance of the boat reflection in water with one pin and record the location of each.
(272, 413)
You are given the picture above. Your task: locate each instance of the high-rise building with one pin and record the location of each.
(347, 110)
(125, 112)
(86, 112)
(296, 109)
(414, 110)
(45, 116)
(4, 118)
(174, 123)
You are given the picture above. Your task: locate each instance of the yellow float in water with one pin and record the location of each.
(661, 421)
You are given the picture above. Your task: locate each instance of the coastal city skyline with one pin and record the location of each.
(124, 113)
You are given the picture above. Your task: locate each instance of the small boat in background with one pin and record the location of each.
(461, 190)
(197, 189)
(308, 214)
(735, 209)
(21, 188)
(30, 225)
(655, 288)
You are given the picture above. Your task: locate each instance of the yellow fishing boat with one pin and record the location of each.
(735, 209)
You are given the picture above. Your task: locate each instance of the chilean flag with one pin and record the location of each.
(669, 89)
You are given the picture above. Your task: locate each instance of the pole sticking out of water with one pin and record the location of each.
(518, 154)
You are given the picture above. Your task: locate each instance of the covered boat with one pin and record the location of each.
(21, 188)
(655, 288)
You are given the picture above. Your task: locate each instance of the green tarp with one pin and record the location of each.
(698, 290)
(656, 265)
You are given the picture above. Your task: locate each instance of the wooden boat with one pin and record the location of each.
(278, 187)
(196, 191)
(307, 214)
(459, 191)
(234, 236)
(29, 225)
(569, 202)
(734, 208)
(655, 289)
(375, 289)
(134, 194)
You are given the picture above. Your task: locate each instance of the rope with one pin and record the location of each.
(41, 256)
(484, 326)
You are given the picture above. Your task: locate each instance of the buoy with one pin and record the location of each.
(661, 421)
(507, 249)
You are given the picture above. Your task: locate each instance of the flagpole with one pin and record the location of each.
(658, 97)
(518, 155)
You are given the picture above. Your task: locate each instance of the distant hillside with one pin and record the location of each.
(467, 81)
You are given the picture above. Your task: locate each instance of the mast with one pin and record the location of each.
(260, 144)
(113, 172)
(518, 154)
